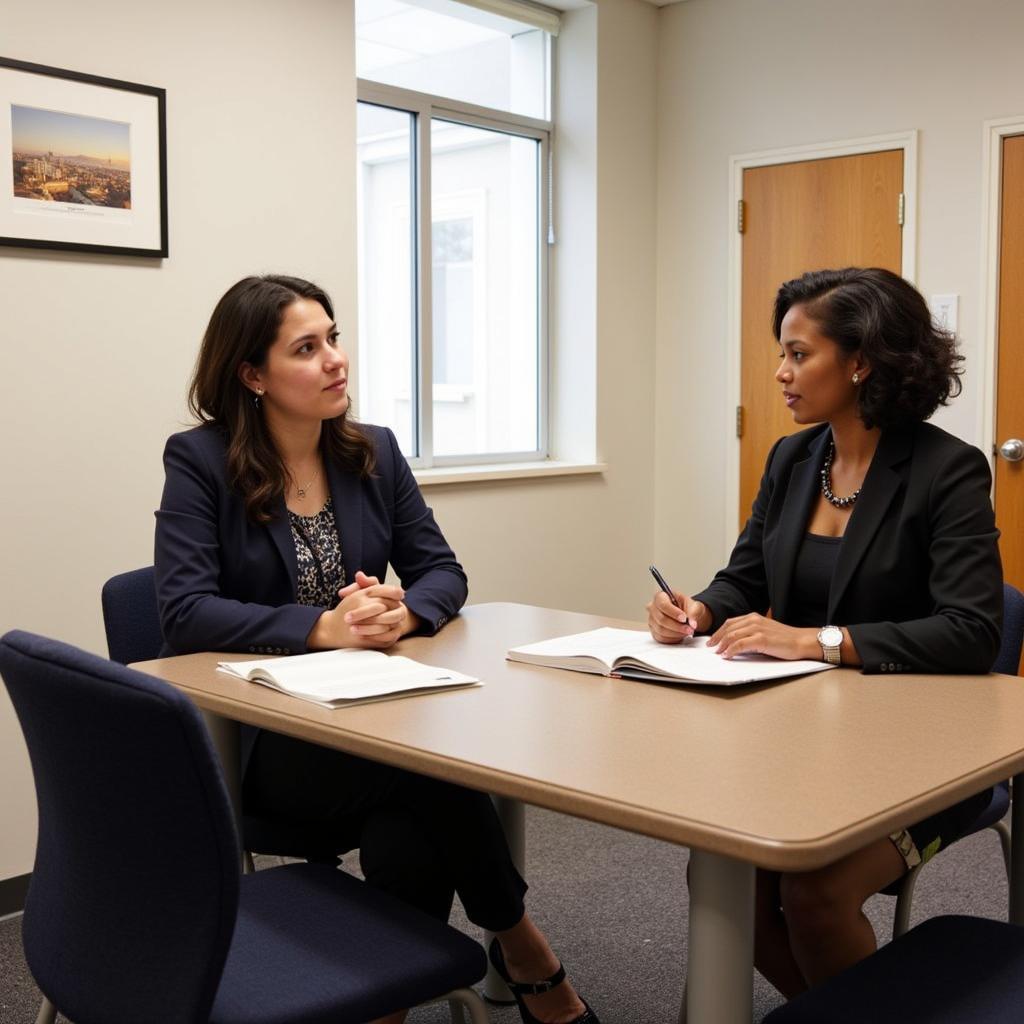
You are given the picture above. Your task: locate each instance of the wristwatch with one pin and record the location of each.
(831, 639)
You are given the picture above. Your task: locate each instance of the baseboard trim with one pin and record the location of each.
(12, 894)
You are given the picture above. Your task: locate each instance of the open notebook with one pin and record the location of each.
(337, 679)
(634, 654)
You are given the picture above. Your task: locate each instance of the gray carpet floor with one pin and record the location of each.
(614, 907)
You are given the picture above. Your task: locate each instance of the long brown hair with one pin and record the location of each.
(242, 328)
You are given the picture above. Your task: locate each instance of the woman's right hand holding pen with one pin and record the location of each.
(669, 623)
(672, 616)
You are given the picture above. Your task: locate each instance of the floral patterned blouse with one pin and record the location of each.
(318, 550)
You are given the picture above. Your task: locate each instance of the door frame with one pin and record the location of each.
(907, 141)
(993, 133)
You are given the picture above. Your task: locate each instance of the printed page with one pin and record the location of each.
(694, 660)
(604, 645)
(690, 661)
(346, 674)
(300, 667)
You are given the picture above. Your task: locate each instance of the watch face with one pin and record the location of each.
(830, 636)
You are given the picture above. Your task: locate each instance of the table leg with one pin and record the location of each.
(224, 734)
(720, 973)
(513, 820)
(1017, 850)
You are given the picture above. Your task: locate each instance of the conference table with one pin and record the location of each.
(788, 776)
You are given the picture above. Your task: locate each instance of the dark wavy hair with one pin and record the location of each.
(242, 328)
(915, 366)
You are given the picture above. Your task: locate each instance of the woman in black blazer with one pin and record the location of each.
(278, 520)
(873, 543)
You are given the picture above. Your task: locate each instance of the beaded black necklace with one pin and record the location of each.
(826, 482)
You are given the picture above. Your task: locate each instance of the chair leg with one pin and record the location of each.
(1001, 830)
(904, 901)
(468, 998)
(47, 1012)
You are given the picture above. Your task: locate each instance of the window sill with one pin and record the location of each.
(485, 472)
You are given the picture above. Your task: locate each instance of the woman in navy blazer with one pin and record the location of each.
(278, 520)
(228, 584)
(873, 543)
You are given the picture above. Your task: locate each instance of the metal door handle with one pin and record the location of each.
(1012, 450)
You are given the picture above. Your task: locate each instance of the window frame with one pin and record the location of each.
(424, 108)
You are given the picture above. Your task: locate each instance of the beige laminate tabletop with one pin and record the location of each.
(788, 775)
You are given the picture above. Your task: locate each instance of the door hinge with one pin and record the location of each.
(739, 420)
(901, 209)
(741, 216)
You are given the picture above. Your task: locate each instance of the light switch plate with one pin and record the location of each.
(944, 311)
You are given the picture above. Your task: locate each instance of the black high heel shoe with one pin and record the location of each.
(534, 988)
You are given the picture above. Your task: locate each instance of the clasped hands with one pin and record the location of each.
(746, 634)
(371, 614)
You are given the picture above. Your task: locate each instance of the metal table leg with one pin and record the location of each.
(513, 819)
(720, 974)
(225, 736)
(1017, 850)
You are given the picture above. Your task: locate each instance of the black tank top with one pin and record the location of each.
(812, 580)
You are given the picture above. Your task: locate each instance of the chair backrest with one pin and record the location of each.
(134, 893)
(130, 616)
(1008, 660)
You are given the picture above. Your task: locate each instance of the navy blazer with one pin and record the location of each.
(918, 580)
(225, 583)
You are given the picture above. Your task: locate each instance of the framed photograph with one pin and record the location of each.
(83, 162)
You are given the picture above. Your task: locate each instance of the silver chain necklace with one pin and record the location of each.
(826, 482)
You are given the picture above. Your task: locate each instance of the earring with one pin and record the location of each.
(856, 378)
(257, 397)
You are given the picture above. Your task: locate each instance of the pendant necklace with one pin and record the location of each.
(300, 492)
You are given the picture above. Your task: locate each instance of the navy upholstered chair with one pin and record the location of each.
(947, 970)
(130, 616)
(137, 911)
(1007, 662)
(131, 621)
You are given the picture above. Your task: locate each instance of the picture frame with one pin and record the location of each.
(83, 162)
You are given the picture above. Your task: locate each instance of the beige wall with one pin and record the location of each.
(739, 76)
(95, 351)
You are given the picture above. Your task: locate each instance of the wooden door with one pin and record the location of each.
(1010, 361)
(811, 215)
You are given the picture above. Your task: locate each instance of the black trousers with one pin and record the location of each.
(419, 838)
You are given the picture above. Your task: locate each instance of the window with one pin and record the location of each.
(453, 149)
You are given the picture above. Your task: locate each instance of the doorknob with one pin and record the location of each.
(1012, 450)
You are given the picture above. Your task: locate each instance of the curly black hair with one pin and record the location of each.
(915, 366)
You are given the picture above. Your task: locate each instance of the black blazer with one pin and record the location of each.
(226, 584)
(918, 581)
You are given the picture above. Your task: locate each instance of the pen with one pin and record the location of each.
(660, 580)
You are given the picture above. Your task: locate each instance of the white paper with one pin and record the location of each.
(691, 660)
(345, 675)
